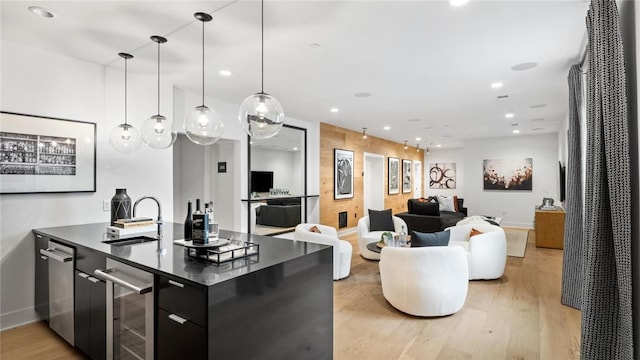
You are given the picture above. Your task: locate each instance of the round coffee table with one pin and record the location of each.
(374, 247)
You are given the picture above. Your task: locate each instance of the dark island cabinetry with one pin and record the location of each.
(42, 278)
(90, 305)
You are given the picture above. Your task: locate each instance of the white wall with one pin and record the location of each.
(41, 83)
(517, 208)
(445, 156)
(287, 172)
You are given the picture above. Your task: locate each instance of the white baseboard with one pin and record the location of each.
(18, 318)
(517, 225)
(347, 231)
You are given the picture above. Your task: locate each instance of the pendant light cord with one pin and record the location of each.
(262, 45)
(125, 91)
(158, 78)
(203, 63)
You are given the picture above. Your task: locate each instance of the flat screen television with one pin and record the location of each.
(261, 181)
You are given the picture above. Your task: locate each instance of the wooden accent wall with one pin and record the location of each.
(333, 137)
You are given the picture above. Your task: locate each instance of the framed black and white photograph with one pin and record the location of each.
(343, 174)
(508, 174)
(406, 176)
(394, 175)
(46, 155)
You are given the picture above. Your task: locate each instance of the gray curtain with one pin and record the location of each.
(572, 261)
(607, 331)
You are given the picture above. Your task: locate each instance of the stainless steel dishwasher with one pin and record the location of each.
(129, 311)
(61, 279)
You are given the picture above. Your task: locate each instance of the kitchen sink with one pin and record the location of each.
(130, 240)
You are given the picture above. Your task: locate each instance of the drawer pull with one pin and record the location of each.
(175, 283)
(39, 236)
(83, 275)
(177, 319)
(43, 257)
(93, 280)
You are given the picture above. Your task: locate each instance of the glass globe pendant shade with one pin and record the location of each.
(158, 132)
(261, 116)
(125, 139)
(203, 126)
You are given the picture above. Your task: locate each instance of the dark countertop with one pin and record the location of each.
(174, 260)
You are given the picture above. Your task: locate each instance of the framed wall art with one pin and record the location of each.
(442, 176)
(343, 174)
(508, 174)
(46, 155)
(394, 175)
(406, 176)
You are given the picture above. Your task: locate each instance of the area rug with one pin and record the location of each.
(516, 241)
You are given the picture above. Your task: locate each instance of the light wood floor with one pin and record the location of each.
(516, 317)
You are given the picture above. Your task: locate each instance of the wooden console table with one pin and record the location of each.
(549, 226)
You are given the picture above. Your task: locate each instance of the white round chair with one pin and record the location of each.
(366, 237)
(487, 252)
(425, 281)
(328, 235)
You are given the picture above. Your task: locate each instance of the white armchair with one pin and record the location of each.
(365, 236)
(487, 252)
(425, 281)
(328, 235)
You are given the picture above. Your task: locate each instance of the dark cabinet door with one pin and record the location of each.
(42, 278)
(179, 338)
(90, 315)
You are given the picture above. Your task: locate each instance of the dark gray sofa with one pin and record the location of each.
(279, 212)
(424, 215)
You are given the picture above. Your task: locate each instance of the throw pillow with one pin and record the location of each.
(475, 232)
(315, 229)
(455, 203)
(419, 239)
(381, 220)
(446, 203)
(426, 208)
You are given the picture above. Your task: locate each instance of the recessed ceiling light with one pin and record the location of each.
(439, 145)
(496, 85)
(315, 45)
(415, 119)
(225, 73)
(515, 124)
(418, 139)
(524, 66)
(509, 115)
(537, 106)
(362, 94)
(40, 11)
(295, 148)
(516, 131)
(334, 110)
(458, 2)
(387, 127)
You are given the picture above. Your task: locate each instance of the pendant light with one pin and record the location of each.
(203, 125)
(261, 114)
(157, 131)
(124, 138)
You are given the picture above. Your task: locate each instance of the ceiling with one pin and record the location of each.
(427, 65)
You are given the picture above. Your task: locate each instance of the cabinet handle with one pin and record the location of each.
(39, 236)
(43, 257)
(83, 275)
(56, 255)
(93, 280)
(177, 319)
(175, 283)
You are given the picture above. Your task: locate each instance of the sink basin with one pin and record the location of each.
(130, 240)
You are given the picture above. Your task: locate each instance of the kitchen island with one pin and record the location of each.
(277, 304)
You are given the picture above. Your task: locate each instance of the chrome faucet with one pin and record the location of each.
(159, 221)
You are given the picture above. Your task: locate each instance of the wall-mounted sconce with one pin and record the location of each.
(418, 147)
(405, 145)
(364, 133)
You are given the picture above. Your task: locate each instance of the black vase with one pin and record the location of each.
(120, 205)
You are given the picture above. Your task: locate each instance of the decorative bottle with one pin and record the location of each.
(120, 206)
(188, 222)
(402, 237)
